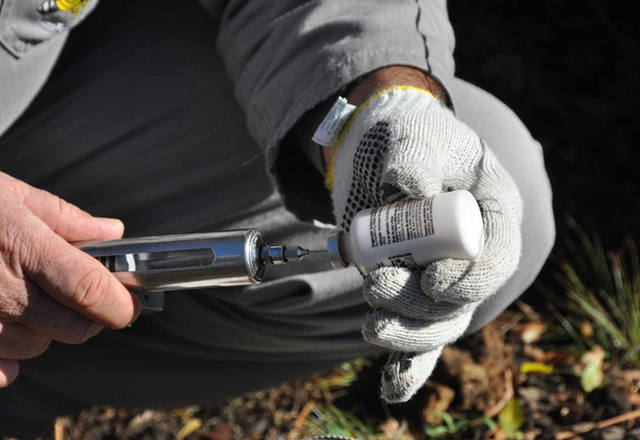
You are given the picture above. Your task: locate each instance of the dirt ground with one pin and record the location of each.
(502, 383)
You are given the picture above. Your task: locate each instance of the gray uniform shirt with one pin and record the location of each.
(277, 78)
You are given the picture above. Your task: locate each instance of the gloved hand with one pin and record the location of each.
(404, 144)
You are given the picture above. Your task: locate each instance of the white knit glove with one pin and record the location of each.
(404, 144)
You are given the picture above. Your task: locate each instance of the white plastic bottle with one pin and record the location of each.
(411, 234)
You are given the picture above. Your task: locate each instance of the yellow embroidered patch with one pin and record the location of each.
(71, 5)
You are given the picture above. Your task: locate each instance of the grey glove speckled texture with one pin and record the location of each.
(404, 144)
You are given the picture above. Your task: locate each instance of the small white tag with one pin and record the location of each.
(329, 129)
(321, 225)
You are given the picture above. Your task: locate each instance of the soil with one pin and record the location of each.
(476, 380)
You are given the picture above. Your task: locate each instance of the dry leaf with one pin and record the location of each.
(552, 357)
(634, 398)
(586, 329)
(565, 435)
(220, 432)
(555, 357)
(187, 412)
(298, 423)
(508, 395)
(632, 385)
(631, 374)
(60, 427)
(532, 434)
(630, 381)
(528, 311)
(473, 379)
(596, 354)
(511, 418)
(590, 369)
(497, 361)
(144, 418)
(571, 397)
(189, 428)
(592, 376)
(536, 367)
(439, 400)
(532, 331)
(391, 428)
(498, 434)
(532, 396)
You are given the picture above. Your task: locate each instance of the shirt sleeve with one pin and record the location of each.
(285, 57)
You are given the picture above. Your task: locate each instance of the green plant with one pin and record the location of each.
(329, 420)
(602, 287)
(343, 376)
(449, 426)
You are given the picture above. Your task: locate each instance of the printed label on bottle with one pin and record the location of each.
(403, 260)
(401, 221)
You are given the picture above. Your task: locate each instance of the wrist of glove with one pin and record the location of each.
(404, 144)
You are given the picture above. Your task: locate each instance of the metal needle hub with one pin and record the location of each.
(281, 254)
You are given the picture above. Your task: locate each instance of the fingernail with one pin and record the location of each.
(112, 223)
(138, 304)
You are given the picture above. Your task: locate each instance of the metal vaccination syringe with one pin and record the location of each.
(409, 234)
(150, 266)
(192, 261)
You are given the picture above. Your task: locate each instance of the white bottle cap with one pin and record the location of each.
(464, 223)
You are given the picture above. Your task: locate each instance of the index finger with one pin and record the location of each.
(64, 218)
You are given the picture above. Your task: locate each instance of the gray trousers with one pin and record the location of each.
(140, 122)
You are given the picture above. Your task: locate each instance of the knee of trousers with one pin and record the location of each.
(522, 156)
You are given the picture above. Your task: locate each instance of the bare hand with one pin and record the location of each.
(50, 290)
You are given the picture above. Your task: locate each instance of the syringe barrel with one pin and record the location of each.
(188, 261)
